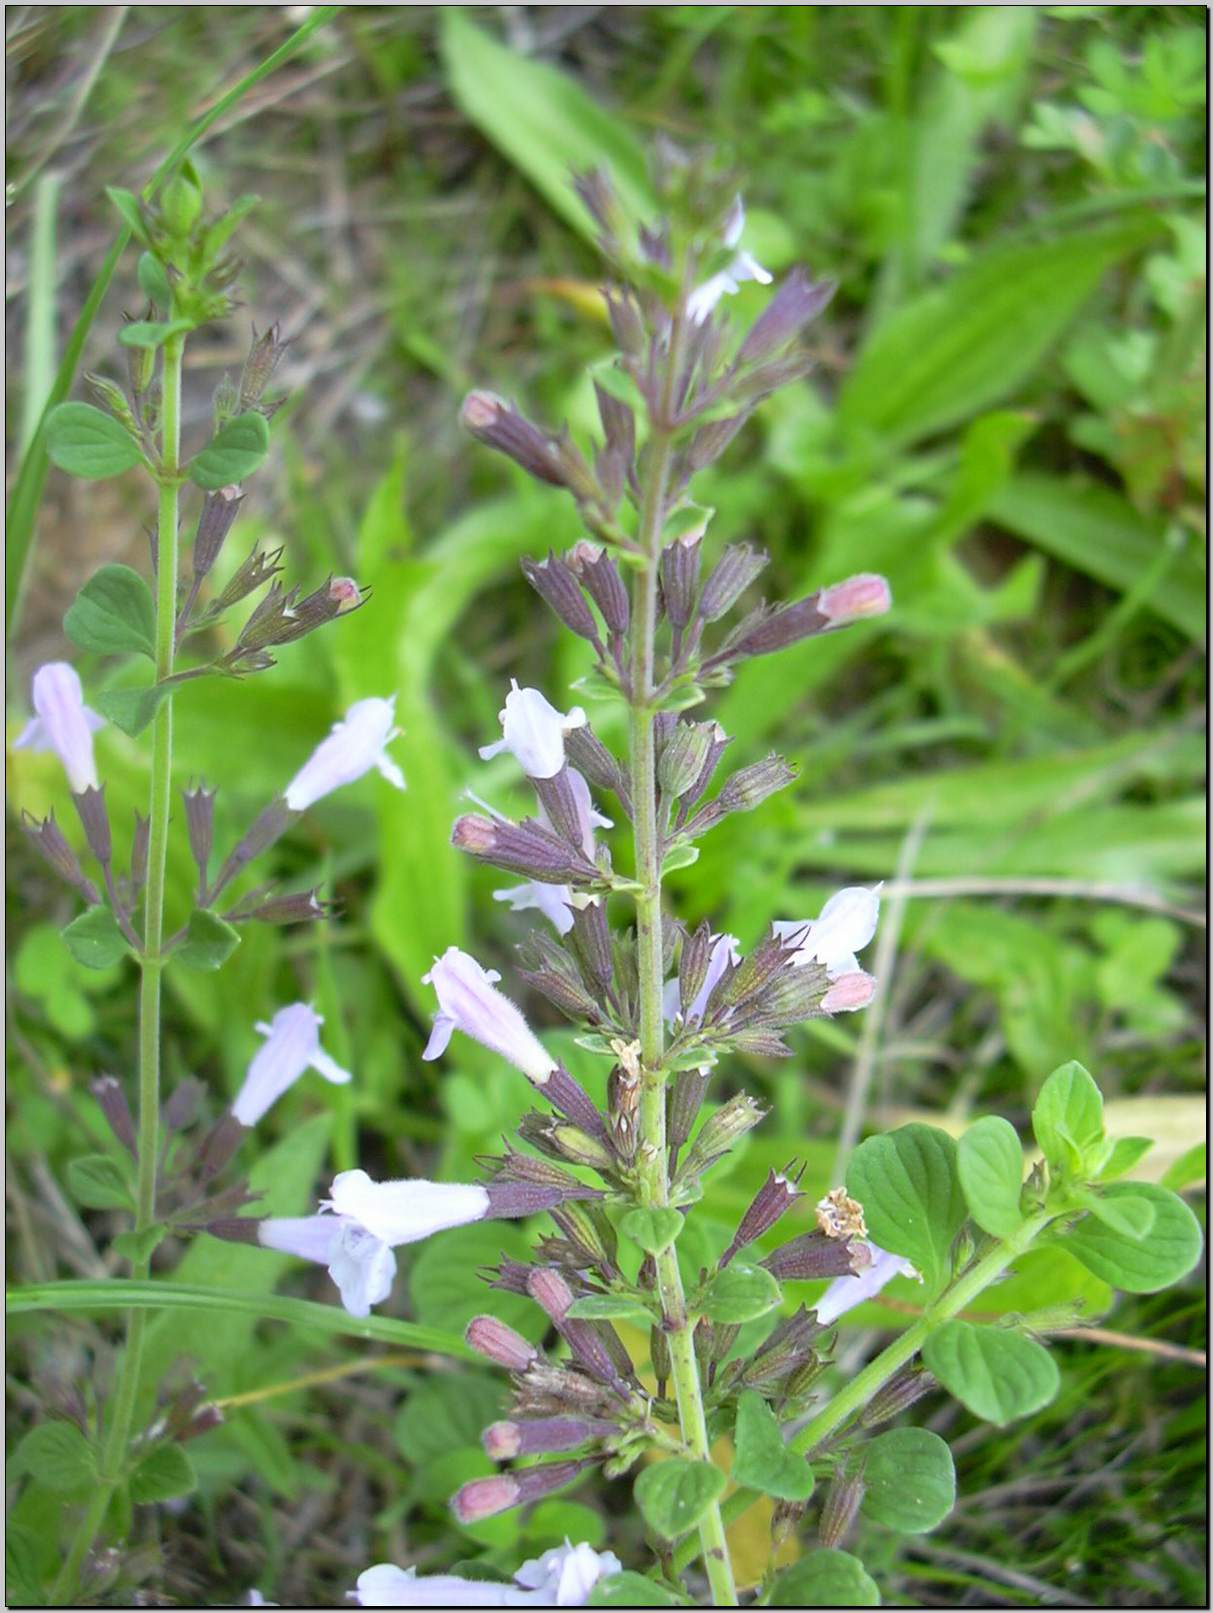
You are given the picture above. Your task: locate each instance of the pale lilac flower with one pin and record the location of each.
(846, 925)
(704, 298)
(562, 1577)
(291, 1046)
(533, 731)
(554, 901)
(63, 723)
(467, 1001)
(846, 1292)
(725, 951)
(363, 1221)
(356, 744)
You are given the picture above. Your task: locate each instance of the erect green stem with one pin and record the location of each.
(117, 1439)
(652, 1153)
(859, 1390)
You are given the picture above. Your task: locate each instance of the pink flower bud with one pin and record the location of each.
(865, 595)
(484, 1498)
(499, 1343)
(344, 593)
(849, 992)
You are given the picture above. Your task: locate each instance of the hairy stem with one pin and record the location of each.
(117, 1440)
(652, 1154)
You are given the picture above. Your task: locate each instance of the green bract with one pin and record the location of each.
(1068, 1120)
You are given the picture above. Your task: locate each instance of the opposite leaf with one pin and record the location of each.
(132, 709)
(1068, 1119)
(1140, 1266)
(763, 1462)
(86, 442)
(674, 1495)
(651, 1230)
(209, 941)
(825, 1578)
(113, 614)
(163, 1474)
(909, 1186)
(909, 1480)
(997, 1374)
(58, 1456)
(94, 939)
(232, 453)
(990, 1162)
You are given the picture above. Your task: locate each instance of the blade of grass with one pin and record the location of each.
(40, 320)
(116, 1295)
(27, 486)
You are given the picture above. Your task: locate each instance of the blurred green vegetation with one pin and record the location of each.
(1007, 418)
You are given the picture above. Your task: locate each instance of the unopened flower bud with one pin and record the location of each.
(749, 787)
(495, 423)
(181, 205)
(776, 1195)
(117, 1111)
(94, 819)
(500, 1344)
(523, 848)
(505, 1440)
(200, 825)
(898, 1395)
(627, 326)
(219, 511)
(864, 595)
(786, 1517)
(600, 575)
(849, 992)
(739, 1115)
(299, 907)
(264, 357)
(591, 758)
(47, 836)
(842, 1503)
(733, 573)
(344, 593)
(483, 1498)
(683, 756)
(554, 582)
(679, 577)
(684, 1103)
(711, 440)
(813, 1255)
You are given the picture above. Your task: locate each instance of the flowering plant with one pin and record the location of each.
(731, 1395)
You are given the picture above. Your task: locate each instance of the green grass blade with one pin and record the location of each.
(116, 1294)
(27, 486)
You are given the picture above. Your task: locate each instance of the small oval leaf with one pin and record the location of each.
(997, 1374)
(826, 1577)
(908, 1183)
(235, 450)
(113, 613)
(990, 1161)
(88, 443)
(1140, 1266)
(94, 938)
(674, 1495)
(740, 1293)
(909, 1480)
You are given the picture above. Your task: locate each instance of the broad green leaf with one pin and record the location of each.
(1126, 1151)
(1067, 1119)
(990, 1162)
(209, 941)
(1140, 1266)
(967, 345)
(1129, 1214)
(908, 1184)
(88, 443)
(235, 450)
(57, 1455)
(609, 1308)
(1190, 1167)
(151, 332)
(826, 1577)
(652, 1230)
(132, 709)
(94, 939)
(909, 1480)
(543, 121)
(739, 1293)
(99, 1182)
(113, 614)
(162, 1475)
(446, 1409)
(674, 1495)
(763, 1462)
(999, 1375)
(629, 1589)
(1097, 531)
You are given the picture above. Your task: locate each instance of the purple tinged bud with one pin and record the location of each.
(499, 1343)
(182, 1104)
(554, 582)
(680, 577)
(797, 301)
(849, 992)
(586, 752)
(200, 827)
(898, 1395)
(842, 1502)
(627, 326)
(813, 1255)
(864, 595)
(264, 357)
(600, 575)
(117, 1111)
(733, 573)
(776, 1195)
(710, 441)
(302, 907)
(683, 756)
(505, 1440)
(265, 829)
(495, 423)
(565, 806)
(236, 1229)
(684, 1103)
(90, 808)
(749, 787)
(590, 938)
(219, 1145)
(618, 423)
(570, 1098)
(48, 838)
(523, 848)
(219, 511)
(483, 1498)
(513, 1201)
(739, 1115)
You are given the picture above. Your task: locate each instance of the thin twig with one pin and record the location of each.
(997, 1571)
(981, 885)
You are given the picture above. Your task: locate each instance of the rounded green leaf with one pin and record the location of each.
(132, 709)
(739, 1293)
(909, 1480)
(236, 449)
(763, 1462)
(609, 1308)
(99, 1182)
(163, 1474)
(209, 941)
(86, 442)
(825, 1578)
(58, 1456)
(114, 614)
(990, 1161)
(997, 1374)
(674, 1495)
(631, 1590)
(909, 1186)
(94, 938)
(1140, 1266)
(652, 1230)
(1068, 1118)
(1131, 1214)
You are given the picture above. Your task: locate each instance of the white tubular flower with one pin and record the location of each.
(844, 1293)
(704, 298)
(725, 950)
(562, 1577)
(63, 723)
(291, 1046)
(533, 732)
(846, 925)
(368, 1220)
(553, 901)
(467, 1001)
(357, 743)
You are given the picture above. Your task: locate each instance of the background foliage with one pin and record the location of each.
(1007, 418)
